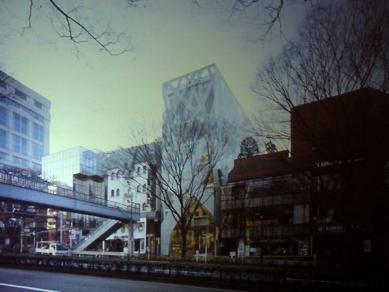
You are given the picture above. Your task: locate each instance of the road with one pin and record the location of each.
(13, 280)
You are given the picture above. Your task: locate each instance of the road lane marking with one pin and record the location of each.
(28, 288)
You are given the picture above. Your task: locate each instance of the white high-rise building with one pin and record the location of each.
(24, 125)
(203, 95)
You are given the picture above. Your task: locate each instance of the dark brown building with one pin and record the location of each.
(327, 197)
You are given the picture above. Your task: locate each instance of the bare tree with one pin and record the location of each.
(81, 21)
(14, 217)
(76, 21)
(342, 50)
(266, 16)
(341, 46)
(184, 161)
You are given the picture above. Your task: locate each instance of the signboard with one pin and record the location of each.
(193, 82)
(330, 228)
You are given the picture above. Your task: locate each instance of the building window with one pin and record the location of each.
(36, 166)
(37, 151)
(144, 169)
(20, 161)
(20, 145)
(38, 133)
(138, 188)
(112, 193)
(330, 182)
(20, 124)
(3, 156)
(144, 188)
(138, 170)
(38, 104)
(3, 116)
(117, 192)
(3, 138)
(301, 213)
(112, 176)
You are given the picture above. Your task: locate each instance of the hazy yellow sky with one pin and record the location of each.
(97, 98)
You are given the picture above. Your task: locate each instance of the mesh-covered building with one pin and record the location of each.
(202, 95)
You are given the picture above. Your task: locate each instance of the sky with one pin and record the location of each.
(97, 99)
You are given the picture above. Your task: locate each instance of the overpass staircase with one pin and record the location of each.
(98, 234)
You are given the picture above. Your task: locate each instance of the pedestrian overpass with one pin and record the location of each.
(12, 190)
(38, 194)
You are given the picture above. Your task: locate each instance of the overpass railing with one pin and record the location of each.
(41, 185)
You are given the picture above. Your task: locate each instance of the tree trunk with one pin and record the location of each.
(183, 240)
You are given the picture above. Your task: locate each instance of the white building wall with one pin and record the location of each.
(126, 187)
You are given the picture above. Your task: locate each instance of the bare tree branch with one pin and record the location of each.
(188, 152)
(73, 21)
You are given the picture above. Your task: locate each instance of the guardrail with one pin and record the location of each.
(221, 275)
(99, 254)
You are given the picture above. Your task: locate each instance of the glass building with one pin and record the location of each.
(24, 125)
(62, 165)
(75, 169)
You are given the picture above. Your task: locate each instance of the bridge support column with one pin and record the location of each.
(130, 228)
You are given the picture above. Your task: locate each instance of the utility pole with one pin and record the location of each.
(60, 226)
(21, 234)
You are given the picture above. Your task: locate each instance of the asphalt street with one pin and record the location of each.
(14, 280)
